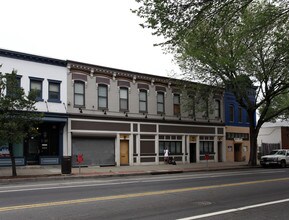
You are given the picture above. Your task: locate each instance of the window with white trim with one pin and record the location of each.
(160, 102)
(143, 97)
(177, 104)
(102, 96)
(123, 98)
(79, 93)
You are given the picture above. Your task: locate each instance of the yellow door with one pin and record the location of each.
(124, 152)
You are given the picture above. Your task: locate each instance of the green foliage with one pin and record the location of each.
(243, 45)
(17, 111)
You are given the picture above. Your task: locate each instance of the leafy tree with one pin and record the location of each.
(243, 45)
(17, 113)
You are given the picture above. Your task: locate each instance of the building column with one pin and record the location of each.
(138, 149)
(130, 149)
(117, 149)
(67, 149)
(157, 149)
(216, 149)
(198, 149)
(184, 148)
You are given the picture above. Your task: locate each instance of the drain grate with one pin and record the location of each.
(202, 203)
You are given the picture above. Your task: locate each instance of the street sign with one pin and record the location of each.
(207, 156)
(79, 158)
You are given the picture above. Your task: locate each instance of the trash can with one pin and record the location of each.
(66, 165)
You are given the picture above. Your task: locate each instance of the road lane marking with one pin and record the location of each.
(235, 210)
(135, 195)
(79, 184)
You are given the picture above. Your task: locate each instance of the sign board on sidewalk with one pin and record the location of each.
(79, 158)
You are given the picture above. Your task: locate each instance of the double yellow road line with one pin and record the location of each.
(133, 195)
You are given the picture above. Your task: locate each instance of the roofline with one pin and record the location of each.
(31, 57)
(111, 69)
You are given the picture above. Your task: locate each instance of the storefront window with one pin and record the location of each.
(206, 147)
(174, 147)
(17, 148)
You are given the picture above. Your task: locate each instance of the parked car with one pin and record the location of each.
(276, 158)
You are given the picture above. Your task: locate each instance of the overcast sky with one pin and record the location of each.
(101, 32)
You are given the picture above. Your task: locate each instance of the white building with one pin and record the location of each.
(49, 77)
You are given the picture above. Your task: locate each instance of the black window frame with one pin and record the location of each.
(38, 98)
(174, 147)
(58, 84)
(209, 149)
(18, 79)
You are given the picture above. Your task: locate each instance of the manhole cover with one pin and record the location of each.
(203, 203)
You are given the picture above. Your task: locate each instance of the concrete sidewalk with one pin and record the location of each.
(34, 173)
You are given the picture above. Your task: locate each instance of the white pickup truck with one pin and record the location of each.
(276, 158)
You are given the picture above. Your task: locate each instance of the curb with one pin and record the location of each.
(61, 177)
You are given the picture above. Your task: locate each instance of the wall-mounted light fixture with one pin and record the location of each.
(80, 110)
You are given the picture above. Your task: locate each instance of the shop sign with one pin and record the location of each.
(238, 139)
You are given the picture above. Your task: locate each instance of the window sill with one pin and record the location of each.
(54, 100)
(103, 109)
(79, 106)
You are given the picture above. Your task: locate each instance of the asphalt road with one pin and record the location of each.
(247, 194)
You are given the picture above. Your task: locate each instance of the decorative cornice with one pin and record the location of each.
(33, 58)
(118, 73)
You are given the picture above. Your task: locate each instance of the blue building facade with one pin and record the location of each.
(237, 128)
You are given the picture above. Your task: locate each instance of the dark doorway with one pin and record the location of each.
(32, 150)
(237, 152)
(45, 143)
(220, 152)
(193, 151)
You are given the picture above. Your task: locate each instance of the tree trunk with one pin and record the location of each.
(253, 139)
(14, 173)
(253, 147)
